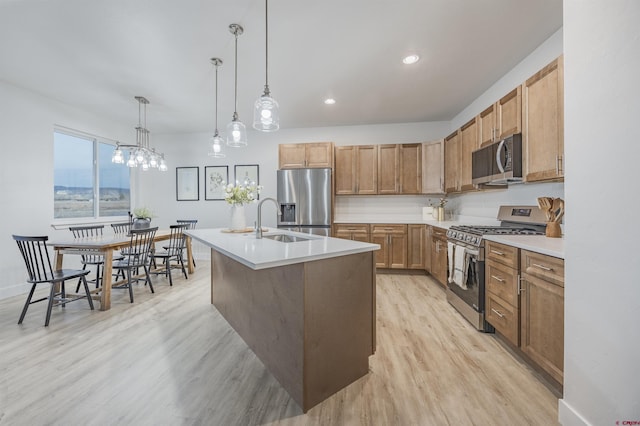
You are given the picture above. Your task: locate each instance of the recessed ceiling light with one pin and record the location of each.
(329, 101)
(411, 59)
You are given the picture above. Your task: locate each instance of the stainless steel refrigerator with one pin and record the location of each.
(304, 196)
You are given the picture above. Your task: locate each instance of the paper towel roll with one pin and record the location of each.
(427, 213)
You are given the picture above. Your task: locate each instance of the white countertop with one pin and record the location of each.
(266, 253)
(537, 243)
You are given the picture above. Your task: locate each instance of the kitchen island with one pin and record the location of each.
(306, 308)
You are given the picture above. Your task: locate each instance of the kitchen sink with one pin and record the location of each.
(284, 238)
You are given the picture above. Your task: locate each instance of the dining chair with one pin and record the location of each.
(192, 225)
(121, 227)
(36, 258)
(136, 256)
(173, 251)
(89, 257)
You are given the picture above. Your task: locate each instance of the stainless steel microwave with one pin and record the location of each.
(499, 163)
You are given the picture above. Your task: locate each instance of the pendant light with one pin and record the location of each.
(266, 115)
(236, 130)
(216, 140)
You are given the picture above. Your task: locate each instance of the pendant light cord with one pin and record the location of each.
(216, 99)
(266, 47)
(235, 112)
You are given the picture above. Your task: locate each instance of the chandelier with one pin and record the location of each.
(141, 154)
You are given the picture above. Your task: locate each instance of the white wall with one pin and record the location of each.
(26, 177)
(602, 293)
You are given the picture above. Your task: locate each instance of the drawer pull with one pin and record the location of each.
(499, 253)
(544, 268)
(497, 313)
(497, 278)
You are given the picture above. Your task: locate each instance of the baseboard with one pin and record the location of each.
(567, 416)
(7, 292)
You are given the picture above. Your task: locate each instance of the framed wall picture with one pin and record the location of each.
(187, 183)
(215, 180)
(247, 174)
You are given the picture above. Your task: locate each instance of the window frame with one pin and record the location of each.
(95, 219)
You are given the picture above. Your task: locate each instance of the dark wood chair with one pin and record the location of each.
(36, 258)
(121, 227)
(192, 225)
(136, 256)
(90, 258)
(173, 251)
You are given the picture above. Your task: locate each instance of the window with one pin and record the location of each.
(86, 183)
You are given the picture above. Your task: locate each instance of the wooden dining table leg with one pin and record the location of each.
(107, 273)
(189, 256)
(59, 258)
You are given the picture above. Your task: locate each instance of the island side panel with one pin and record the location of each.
(339, 323)
(265, 307)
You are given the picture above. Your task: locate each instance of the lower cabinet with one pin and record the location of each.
(525, 303)
(415, 246)
(542, 312)
(439, 256)
(393, 245)
(352, 231)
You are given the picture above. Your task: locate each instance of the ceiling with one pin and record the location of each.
(97, 55)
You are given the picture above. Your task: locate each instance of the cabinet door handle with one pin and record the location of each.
(499, 253)
(544, 268)
(497, 313)
(497, 278)
(520, 289)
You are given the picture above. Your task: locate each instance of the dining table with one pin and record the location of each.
(106, 245)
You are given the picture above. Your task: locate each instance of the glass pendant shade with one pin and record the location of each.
(162, 166)
(131, 162)
(118, 157)
(236, 133)
(266, 114)
(216, 146)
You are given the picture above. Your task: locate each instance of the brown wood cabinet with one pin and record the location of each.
(468, 144)
(543, 127)
(305, 155)
(352, 231)
(452, 162)
(502, 291)
(427, 248)
(542, 312)
(433, 167)
(415, 246)
(393, 245)
(356, 170)
(501, 119)
(388, 169)
(439, 255)
(410, 175)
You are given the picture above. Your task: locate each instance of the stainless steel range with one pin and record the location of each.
(465, 289)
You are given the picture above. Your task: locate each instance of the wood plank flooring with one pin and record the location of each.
(171, 359)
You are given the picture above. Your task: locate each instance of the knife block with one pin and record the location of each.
(553, 230)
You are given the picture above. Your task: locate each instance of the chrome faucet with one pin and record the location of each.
(259, 226)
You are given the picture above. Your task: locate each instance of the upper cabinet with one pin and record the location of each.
(501, 119)
(306, 155)
(410, 168)
(388, 169)
(433, 167)
(543, 129)
(452, 162)
(356, 169)
(468, 144)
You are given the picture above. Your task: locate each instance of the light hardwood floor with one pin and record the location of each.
(171, 359)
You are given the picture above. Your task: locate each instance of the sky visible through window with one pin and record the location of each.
(74, 179)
